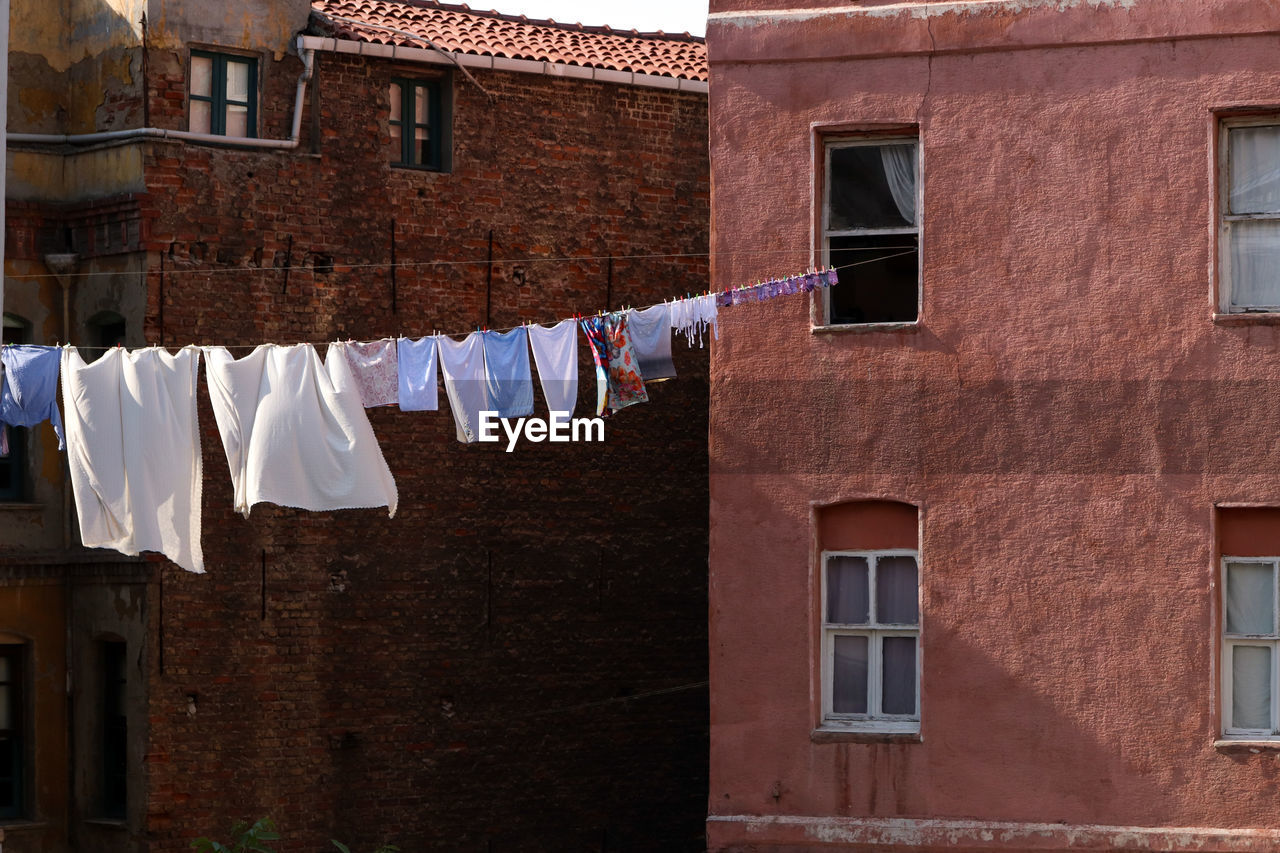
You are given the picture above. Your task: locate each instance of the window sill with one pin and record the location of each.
(107, 822)
(1243, 745)
(412, 167)
(913, 326)
(20, 506)
(1248, 318)
(863, 736)
(18, 824)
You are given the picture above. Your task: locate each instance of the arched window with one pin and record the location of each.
(106, 330)
(870, 580)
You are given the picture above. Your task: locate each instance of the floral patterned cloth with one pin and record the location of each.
(626, 385)
(593, 329)
(376, 372)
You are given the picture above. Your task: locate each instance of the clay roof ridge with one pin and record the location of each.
(604, 29)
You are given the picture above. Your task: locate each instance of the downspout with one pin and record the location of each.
(306, 54)
(62, 266)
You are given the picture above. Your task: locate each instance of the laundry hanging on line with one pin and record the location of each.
(294, 429)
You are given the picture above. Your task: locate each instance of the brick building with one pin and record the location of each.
(1009, 583)
(517, 660)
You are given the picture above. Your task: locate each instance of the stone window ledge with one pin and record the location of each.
(854, 736)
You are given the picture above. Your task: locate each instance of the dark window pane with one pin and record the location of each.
(847, 595)
(849, 679)
(883, 287)
(859, 191)
(115, 735)
(899, 655)
(897, 601)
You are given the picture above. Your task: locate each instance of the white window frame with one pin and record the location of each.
(873, 720)
(1226, 218)
(1271, 641)
(827, 233)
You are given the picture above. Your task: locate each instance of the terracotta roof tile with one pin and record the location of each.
(463, 30)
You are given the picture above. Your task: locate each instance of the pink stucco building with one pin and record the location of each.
(996, 528)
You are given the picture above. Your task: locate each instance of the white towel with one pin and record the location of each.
(295, 430)
(133, 447)
(555, 351)
(462, 363)
(651, 341)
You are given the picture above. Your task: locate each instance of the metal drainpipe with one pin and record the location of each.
(63, 265)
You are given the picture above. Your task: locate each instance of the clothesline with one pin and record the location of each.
(479, 262)
(530, 322)
(293, 426)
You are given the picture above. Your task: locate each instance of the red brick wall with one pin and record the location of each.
(456, 677)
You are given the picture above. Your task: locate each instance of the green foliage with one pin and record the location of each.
(244, 839)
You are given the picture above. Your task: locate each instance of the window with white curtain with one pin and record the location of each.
(871, 230)
(223, 94)
(1250, 640)
(871, 640)
(1249, 250)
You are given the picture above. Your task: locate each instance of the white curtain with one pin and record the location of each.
(1250, 598)
(900, 171)
(899, 675)
(1251, 687)
(1255, 169)
(849, 681)
(847, 598)
(897, 602)
(1255, 264)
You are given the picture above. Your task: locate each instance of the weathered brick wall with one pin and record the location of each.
(456, 677)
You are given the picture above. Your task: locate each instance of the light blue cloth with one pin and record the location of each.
(508, 380)
(418, 389)
(29, 393)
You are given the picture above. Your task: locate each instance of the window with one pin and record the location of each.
(115, 729)
(870, 230)
(13, 464)
(224, 94)
(1251, 639)
(1249, 251)
(106, 330)
(418, 124)
(870, 640)
(12, 696)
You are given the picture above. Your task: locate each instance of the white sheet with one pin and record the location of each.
(295, 431)
(651, 341)
(133, 447)
(555, 352)
(462, 363)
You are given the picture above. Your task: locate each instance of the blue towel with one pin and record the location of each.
(29, 393)
(508, 380)
(418, 391)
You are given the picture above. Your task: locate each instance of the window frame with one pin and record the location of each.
(408, 123)
(1225, 218)
(17, 331)
(16, 653)
(874, 720)
(217, 97)
(830, 142)
(1230, 641)
(114, 728)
